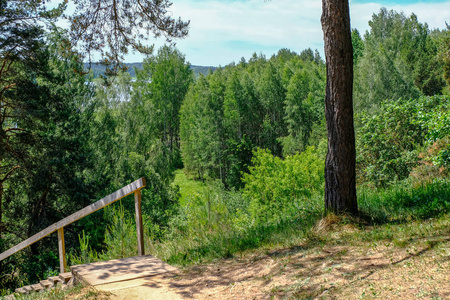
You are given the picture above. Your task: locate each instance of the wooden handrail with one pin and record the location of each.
(134, 187)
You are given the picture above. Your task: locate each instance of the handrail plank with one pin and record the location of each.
(117, 195)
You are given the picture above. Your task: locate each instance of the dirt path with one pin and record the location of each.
(329, 272)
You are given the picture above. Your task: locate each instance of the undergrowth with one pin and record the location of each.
(215, 224)
(405, 201)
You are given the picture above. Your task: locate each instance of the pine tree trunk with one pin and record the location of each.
(340, 185)
(1, 211)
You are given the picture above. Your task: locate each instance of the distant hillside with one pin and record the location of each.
(99, 69)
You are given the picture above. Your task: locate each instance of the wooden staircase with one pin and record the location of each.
(107, 275)
(62, 280)
(65, 279)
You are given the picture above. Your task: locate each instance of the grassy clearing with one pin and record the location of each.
(215, 224)
(187, 186)
(208, 246)
(390, 216)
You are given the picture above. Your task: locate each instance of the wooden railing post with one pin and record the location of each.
(134, 187)
(139, 226)
(61, 250)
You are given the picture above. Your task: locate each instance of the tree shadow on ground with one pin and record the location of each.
(302, 271)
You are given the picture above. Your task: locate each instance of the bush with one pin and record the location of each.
(277, 186)
(389, 142)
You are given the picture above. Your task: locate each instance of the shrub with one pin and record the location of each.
(277, 186)
(389, 142)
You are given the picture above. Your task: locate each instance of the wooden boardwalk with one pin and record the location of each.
(138, 278)
(117, 270)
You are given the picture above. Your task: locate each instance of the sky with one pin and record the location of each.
(223, 31)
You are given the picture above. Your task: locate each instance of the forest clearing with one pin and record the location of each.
(289, 176)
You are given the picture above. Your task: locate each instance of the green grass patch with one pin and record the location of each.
(213, 223)
(405, 201)
(226, 243)
(395, 215)
(188, 187)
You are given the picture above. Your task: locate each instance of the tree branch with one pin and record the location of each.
(9, 173)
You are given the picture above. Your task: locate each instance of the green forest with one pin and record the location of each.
(233, 157)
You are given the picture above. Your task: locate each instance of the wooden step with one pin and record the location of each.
(120, 269)
(37, 287)
(24, 290)
(62, 278)
(46, 284)
(54, 280)
(65, 277)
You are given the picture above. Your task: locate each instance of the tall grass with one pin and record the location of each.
(405, 201)
(237, 235)
(214, 223)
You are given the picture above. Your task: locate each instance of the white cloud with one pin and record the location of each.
(434, 14)
(224, 31)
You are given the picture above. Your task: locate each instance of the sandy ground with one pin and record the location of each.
(330, 272)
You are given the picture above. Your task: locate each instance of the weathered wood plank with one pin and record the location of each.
(121, 269)
(37, 287)
(139, 226)
(24, 290)
(55, 280)
(46, 284)
(117, 195)
(61, 251)
(65, 277)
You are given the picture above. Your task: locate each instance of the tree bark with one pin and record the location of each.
(1, 210)
(340, 185)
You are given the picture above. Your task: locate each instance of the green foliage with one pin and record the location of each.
(136, 131)
(40, 265)
(444, 52)
(120, 237)
(433, 114)
(399, 60)
(272, 94)
(404, 201)
(161, 87)
(389, 142)
(201, 129)
(358, 46)
(305, 94)
(43, 145)
(273, 104)
(442, 159)
(87, 254)
(206, 211)
(276, 185)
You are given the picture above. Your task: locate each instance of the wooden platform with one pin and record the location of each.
(130, 268)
